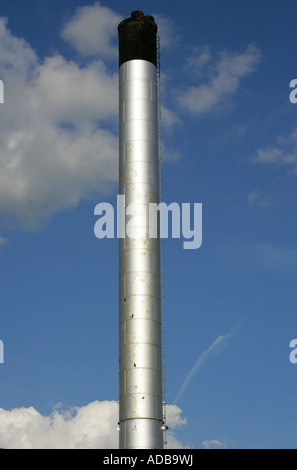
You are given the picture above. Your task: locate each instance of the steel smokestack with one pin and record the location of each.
(141, 421)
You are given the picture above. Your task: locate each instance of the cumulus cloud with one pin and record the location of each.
(90, 426)
(268, 256)
(73, 94)
(174, 421)
(214, 444)
(58, 125)
(92, 31)
(174, 416)
(93, 426)
(15, 51)
(257, 198)
(197, 62)
(167, 31)
(55, 145)
(223, 74)
(281, 153)
(3, 240)
(169, 119)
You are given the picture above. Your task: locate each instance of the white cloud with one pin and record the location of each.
(55, 149)
(283, 152)
(3, 240)
(214, 444)
(93, 426)
(167, 31)
(56, 146)
(171, 155)
(257, 198)
(277, 256)
(169, 118)
(271, 155)
(93, 31)
(15, 51)
(174, 420)
(265, 256)
(74, 94)
(223, 76)
(174, 417)
(197, 62)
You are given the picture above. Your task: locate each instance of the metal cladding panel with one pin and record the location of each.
(143, 193)
(141, 434)
(140, 306)
(140, 338)
(145, 284)
(131, 260)
(138, 212)
(142, 130)
(138, 172)
(144, 406)
(139, 380)
(142, 330)
(137, 70)
(137, 151)
(140, 108)
(142, 241)
(142, 355)
(141, 91)
(138, 195)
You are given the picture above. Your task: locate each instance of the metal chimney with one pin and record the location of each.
(141, 422)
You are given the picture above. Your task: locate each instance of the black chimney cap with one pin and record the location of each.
(138, 38)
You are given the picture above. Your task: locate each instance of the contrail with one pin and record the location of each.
(217, 346)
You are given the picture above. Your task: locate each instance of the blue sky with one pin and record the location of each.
(230, 142)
